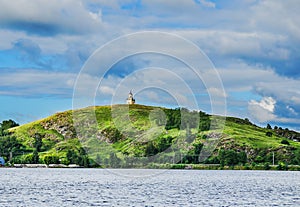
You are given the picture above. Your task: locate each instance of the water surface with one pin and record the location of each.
(136, 187)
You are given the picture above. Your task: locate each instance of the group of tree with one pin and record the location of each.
(158, 145)
(11, 149)
(9, 145)
(5, 125)
(283, 132)
(78, 157)
(181, 118)
(232, 157)
(113, 161)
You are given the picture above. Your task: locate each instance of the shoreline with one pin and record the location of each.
(171, 167)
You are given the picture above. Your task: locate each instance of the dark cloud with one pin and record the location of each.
(35, 28)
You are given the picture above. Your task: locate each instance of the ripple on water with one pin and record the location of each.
(98, 187)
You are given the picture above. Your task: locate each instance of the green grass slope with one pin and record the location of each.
(118, 135)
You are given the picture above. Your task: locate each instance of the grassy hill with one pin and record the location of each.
(137, 135)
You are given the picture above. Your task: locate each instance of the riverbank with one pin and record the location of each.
(42, 166)
(279, 167)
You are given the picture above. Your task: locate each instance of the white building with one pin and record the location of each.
(130, 99)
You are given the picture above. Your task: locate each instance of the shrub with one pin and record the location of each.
(282, 166)
(267, 166)
(284, 141)
(269, 134)
(51, 159)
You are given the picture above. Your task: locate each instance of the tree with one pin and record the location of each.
(35, 157)
(79, 158)
(269, 126)
(221, 157)
(242, 157)
(98, 159)
(9, 144)
(269, 134)
(296, 157)
(72, 157)
(173, 118)
(164, 143)
(204, 122)
(7, 124)
(230, 157)
(267, 166)
(114, 160)
(151, 149)
(284, 141)
(51, 159)
(83, 158)
(282, 166)
(38, 141)
(197, 151)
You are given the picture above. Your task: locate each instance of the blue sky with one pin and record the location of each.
(253, 44)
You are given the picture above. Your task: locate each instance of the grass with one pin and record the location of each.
(59, 135)
(253, 136)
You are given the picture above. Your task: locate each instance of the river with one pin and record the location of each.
(145, 187)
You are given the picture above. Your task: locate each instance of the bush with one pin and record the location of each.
(269, 134)
(284, 141)
(51, 159)
(178, 166)
(231, 157)
(28, 159)
(267, 166)
(282, 166)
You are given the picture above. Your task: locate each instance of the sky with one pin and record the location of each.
(49, 51)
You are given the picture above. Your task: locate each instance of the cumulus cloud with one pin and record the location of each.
(263, 110)
(240, 44)
(277, 16)
(267, 103)
(48, 18)
(254, 45)
(243, 82)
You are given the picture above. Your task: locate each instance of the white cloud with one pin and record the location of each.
(264, 81)
(54, 17)
(106, 90)
(217, 92)
(267, 103)
(239, 43)
(291, 110)
(277, 16)
(263, 110)
(259, 31)
(36, 83)
(208, 3)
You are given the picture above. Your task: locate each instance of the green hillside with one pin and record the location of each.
(145, 136)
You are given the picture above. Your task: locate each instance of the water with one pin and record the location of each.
(100, 187)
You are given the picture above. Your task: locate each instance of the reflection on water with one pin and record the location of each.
(136, 187)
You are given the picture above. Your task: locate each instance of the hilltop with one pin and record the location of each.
(138, 135)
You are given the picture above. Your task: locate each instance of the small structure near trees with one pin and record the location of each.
(130, 99)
